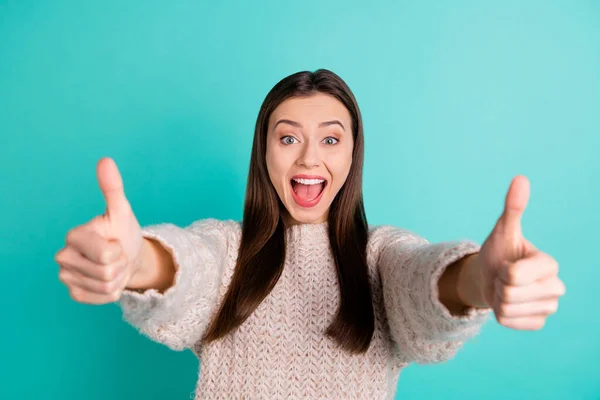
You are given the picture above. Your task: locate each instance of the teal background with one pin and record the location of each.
(457, 98)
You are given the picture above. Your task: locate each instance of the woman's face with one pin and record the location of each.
(309, 154)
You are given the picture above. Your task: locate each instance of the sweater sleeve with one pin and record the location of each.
(178, 317)
(420, 325)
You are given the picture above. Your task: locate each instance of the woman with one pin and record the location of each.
(303, 298)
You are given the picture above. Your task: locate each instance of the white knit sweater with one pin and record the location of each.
(281, 351)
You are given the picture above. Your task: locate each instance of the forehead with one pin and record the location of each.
(318, 107)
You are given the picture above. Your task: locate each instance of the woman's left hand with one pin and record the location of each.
(520, 283)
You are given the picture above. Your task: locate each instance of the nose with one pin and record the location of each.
(309, 156)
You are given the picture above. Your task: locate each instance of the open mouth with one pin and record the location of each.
(307, 191)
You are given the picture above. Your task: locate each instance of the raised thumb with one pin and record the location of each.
(111, 185)
(514, 206)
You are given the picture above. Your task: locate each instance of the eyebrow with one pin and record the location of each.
(298, 125)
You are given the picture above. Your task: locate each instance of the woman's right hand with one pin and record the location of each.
(102, 255)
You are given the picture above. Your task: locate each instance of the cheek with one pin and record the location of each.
(275, 168)
(339, 166)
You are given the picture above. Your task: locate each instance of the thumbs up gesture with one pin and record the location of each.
(102, 255)
(520, 283)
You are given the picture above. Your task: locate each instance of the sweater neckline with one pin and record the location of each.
(307, 231)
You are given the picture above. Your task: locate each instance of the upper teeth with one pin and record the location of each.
(309, 181)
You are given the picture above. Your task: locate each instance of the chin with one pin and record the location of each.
(307, 217)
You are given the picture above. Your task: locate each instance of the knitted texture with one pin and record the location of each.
(281, 351)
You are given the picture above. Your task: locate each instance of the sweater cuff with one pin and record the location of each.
(451, 326)
(141, 302)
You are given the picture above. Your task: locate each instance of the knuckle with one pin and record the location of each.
(109, 253)
(105, 255)
(62, 256)
(113, 296)
(513, 275)
(63, 276)
(540, 324)
(71, 236)
(109, 273)
(58, 257)
(505, 294)
(65, 259)
(105, 287)
(504, 309)
(561, 290)
(109, 287)
(77, 295)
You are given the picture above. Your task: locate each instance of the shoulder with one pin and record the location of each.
(220, 238)
(379, 233)
(383, 236)
(215, 226)
(225, 231)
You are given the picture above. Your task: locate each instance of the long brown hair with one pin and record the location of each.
(262, 249)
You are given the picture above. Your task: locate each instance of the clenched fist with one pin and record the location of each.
(521, 283)
(102, 255)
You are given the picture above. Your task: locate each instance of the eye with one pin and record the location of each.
(330, 140)
(288, 140)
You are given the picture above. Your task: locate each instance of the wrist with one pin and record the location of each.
(471, 283)
(154, 268)
(140, 265)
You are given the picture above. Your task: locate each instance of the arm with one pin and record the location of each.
(156, 268)
(460, 286)
(422, 327)
(178, 315)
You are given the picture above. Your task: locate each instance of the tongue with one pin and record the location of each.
(307, 192)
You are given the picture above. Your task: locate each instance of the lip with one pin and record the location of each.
(304, 176)
(313, 202)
